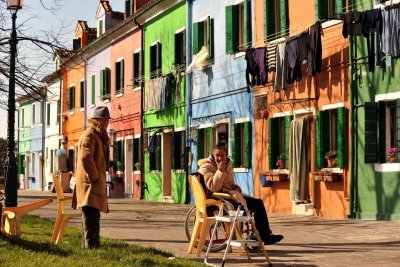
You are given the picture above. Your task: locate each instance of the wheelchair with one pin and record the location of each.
(221, 236)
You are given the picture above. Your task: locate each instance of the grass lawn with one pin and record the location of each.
(34, 249)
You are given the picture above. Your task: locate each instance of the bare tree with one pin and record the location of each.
(35, 50)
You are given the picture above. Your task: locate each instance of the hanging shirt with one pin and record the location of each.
(294, 68)
(372, 24)
(303, 44)
(281, 67)
(271, 56)
(250, 67)
(314, 60)
(352, 24)
(259, 57)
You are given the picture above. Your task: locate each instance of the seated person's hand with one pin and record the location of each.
(221, 166)
(237, 188)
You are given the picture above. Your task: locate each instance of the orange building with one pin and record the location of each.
(306, 119)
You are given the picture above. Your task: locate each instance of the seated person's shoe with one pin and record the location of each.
(272, 239)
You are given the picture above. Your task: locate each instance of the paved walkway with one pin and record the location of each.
(309, 241)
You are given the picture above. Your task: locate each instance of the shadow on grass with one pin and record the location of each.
(40, 247)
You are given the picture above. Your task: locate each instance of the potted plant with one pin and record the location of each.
(119, 171)
(280, 163)
(392, 154)
(137, 166)
(331, 158)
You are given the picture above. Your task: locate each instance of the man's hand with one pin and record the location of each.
(221, 166)
(237, 188)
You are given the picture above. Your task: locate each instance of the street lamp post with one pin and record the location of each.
(10, 169)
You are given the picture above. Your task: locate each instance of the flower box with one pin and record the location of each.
(276, 177)
(326, 176)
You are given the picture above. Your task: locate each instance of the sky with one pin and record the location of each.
(68, 12)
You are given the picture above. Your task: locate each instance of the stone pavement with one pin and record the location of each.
(309, 241)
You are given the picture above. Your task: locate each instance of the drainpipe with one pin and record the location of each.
(42, 161)
(188, 91)
(85, 94)
(142, 176)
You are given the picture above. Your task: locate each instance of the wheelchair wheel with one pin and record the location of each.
(220, 237)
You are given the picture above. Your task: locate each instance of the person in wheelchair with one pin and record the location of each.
(218, 177)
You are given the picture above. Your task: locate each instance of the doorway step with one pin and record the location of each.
(167, 199)
(303, 209)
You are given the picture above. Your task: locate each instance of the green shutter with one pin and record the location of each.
(322, 137)
(195, 30)
(288, 121)
(341, 130)
(283, 18)
(116, 78)
(183, 151)
(82, 97)
(235, 151)
(339, 8)
(158, 154)
(209, 141)
(122, 74)
(247, 144)
(382, 132)
(93, 89)
(73, 97)
(321, 9)
(371, 133)
(210, 36)
(247, 22)
(232, 28)
(398, 127)
(273, 138)
(270, 29)
(115, 154)
(68, 98)
(176, 48)
(21, 168)
(200, 143)
(159, 59)
(101, 84)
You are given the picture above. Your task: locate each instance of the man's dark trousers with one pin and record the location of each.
(91, 227)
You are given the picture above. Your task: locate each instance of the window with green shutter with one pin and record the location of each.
(118, 155)
(136, 69)
(276, 140)
(101, 27)
(155, 60)
(21, 167)
(329, 9)
(238, 26)
(203, 35)
(119, 77)
(330, 136)
(200, 143)
(71, 98)
(93, 95)
(241, 145)
(82, 94)
(107, 83)
(371, 132)
(48, 114)
(275, 19)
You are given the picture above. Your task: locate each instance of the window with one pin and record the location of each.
(136, 154)
(51, 161)
(119, 77)
(330, 135)
(203, 35)
(155, 60)
(58, 111)
(93, 90)
(82, 94)
(118, 155)
(23, 118)
(238, 26)
(241, 145)
(278, 139)
(41, 107)
(329, 9)
(136, 69)
(33, 163)
(101, 27)
(382, 129)
(275, 19)
(71, 98)
(105, 84)
(70, 161)
(180, 48)
(48, 114)
(33, 115)
(155, 157)
(207, 138)
(178, 150)
(21, 166)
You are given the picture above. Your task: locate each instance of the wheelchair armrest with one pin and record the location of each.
(222, 195)
(213, 202)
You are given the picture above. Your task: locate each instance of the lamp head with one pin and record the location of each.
(14, 4)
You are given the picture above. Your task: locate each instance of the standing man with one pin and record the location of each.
(91, 176)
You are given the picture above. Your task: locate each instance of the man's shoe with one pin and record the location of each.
(272, 239)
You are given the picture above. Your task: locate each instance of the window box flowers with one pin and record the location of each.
(331, 158)
(392, 154)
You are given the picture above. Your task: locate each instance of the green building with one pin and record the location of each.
(375, 131)
(164, 102)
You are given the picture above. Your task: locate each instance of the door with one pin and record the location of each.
(128, 167)
(166, 164)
